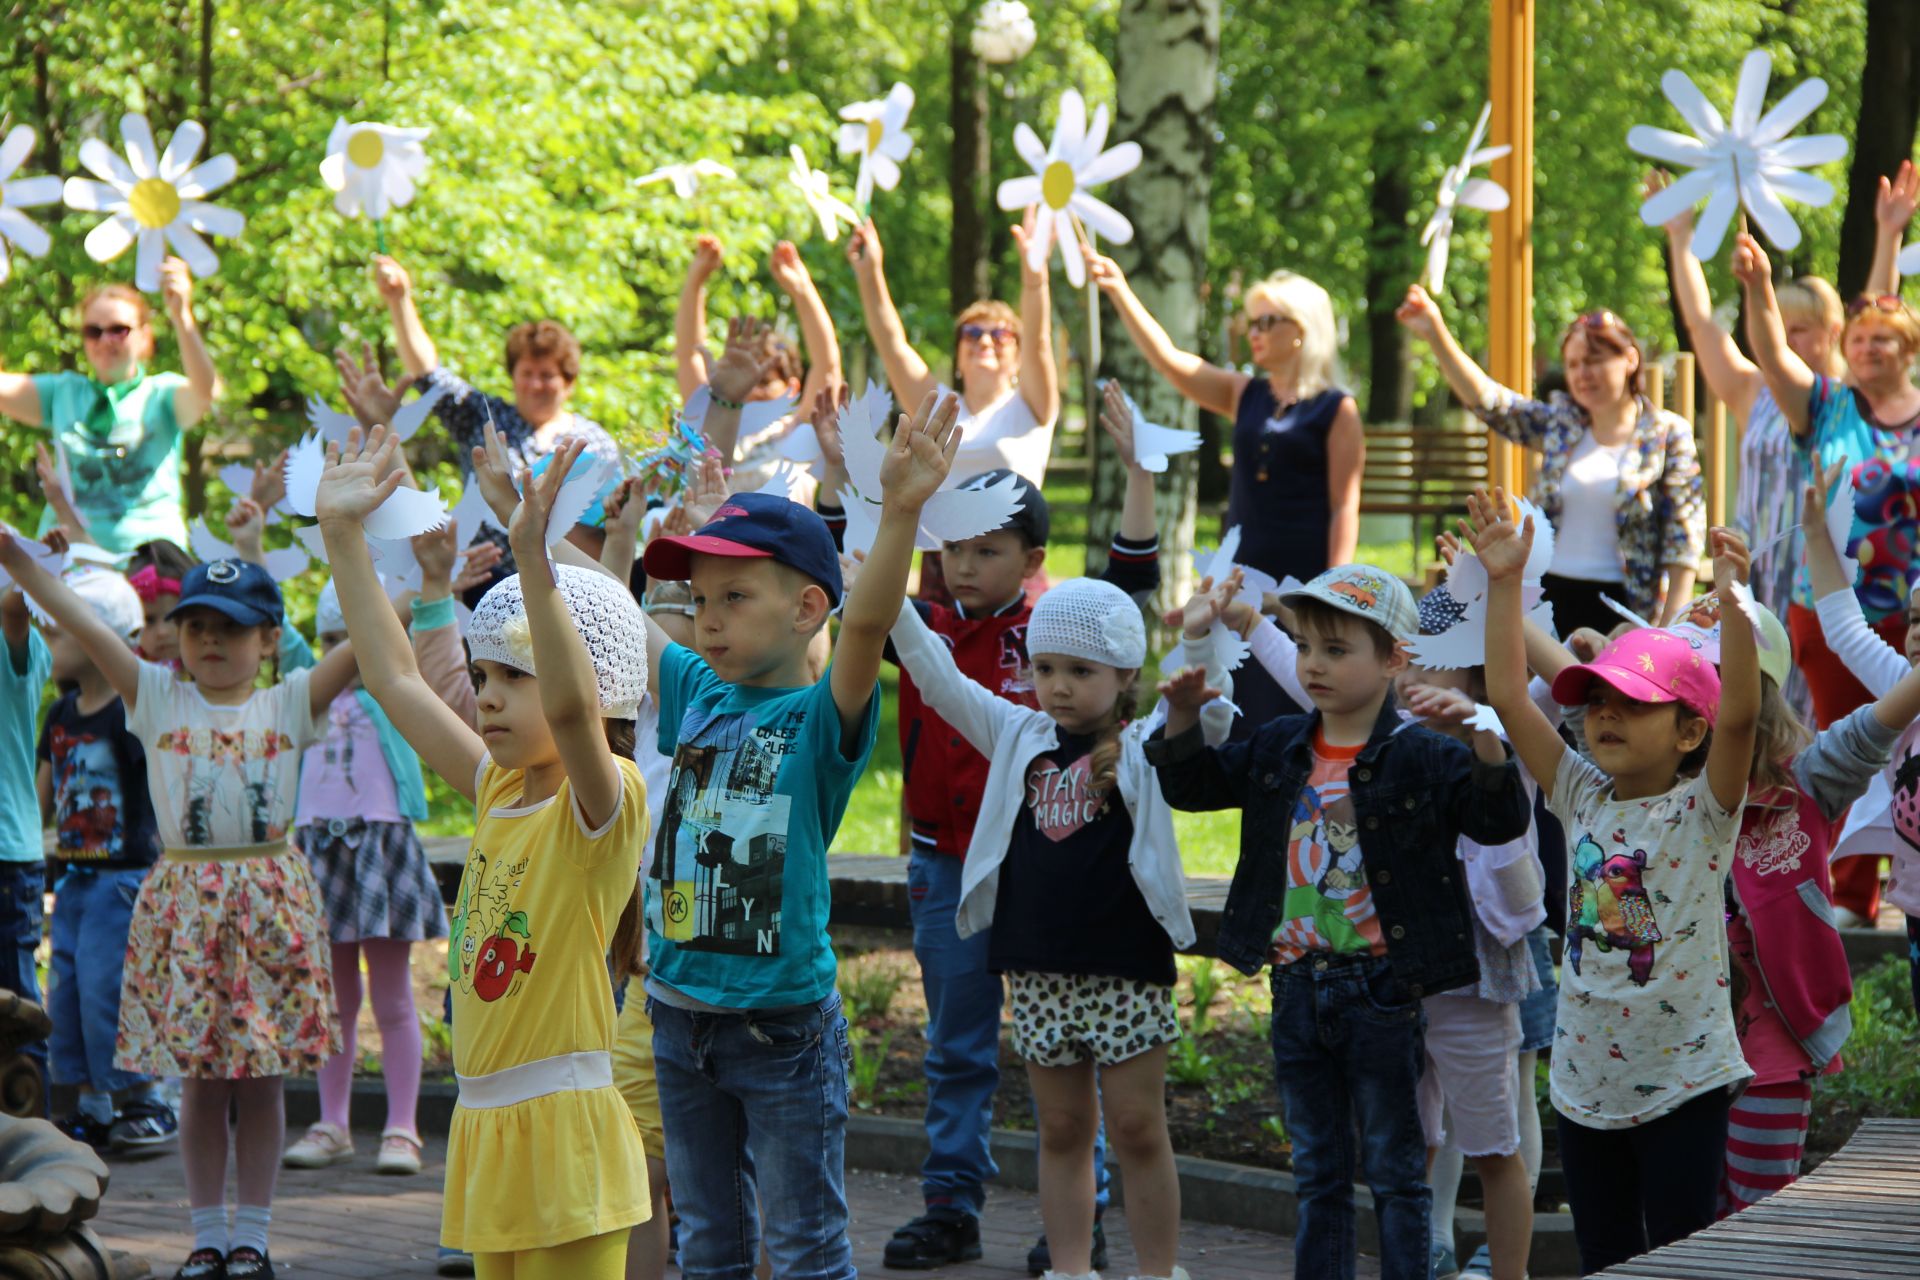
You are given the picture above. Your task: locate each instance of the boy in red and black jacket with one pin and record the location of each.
(986, 627)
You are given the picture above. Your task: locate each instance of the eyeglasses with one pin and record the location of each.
(980, 332)
(1888, 303)
(95, 332)
(1601, 319)
(1271, 320)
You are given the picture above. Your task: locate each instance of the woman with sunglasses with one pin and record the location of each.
(120, 426)
(1619, 480)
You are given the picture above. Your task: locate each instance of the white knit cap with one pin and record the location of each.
(1088, 618)
(111, 596)
(604, 614)
(327, 617)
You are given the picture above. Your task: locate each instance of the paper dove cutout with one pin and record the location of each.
(591, 475)
(238, 477)
(1153, 444)
(1002, 31)
(817, 187)
(22, 193)
(37, 551)
(1907, 264)
(1746, 160)
(786, 480)
(876, 132)
(280, 564)
(863, 524)
(405, 512)
(1626, 614)
(334, 425)
(954, 513)
(1464, 644)
(686, 178)
(393, 561)
(373, 167)
(471, 513)
(1254, 587)
(154, 199)
(1078, 158)
(1457, 188)
(800, 446)
(1840, 520)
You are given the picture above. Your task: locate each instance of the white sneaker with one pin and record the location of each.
(325, 1145)
(399, 1152)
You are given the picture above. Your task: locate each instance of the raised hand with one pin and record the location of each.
(176, 288)
(1894, 204)
(493, 471)
(788, 271)
(920, 454)
(1585, 643)
(1502, 546)
(1448, 545)
(373, 402)
(707, 253)
(391, 280)
(1187, 690)
(481, 559)
(706, 491)
(246, 524)
(1813, 503)
(355, 479)
(740, 368)
(435, 551)
(1749, 263)
(863, 251)
(827, 404)
(1441, 705)
(269, 482)
(1022, 236)
(1208, 603)
(1117, 419)
(1419, 314)
(527, 531)
(1731, 560)
(626, 506)
(1680, 224)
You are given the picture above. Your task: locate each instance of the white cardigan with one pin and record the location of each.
(1011, 736)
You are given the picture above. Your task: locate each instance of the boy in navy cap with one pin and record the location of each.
(749, 1041)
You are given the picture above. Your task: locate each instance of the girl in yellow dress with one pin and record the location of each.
(545, 1171)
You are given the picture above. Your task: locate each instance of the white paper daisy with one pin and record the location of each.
(1458, 187)
(154, 198)
(1748, 160)
(1002, 31)
(876, 132)
(686, 178)
(373, 167)
(1061, 174)
(22, 193)
(816, 186)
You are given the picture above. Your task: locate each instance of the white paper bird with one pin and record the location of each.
(1078, 158)
(817, 187)
(863, 523)
(1459, 187)
(53, 562)
(800, 446)
(1254, 587)
(592, 475)
(1464, 644)
(238, 477)
(334, 425)
(1908, 263)
(22, 193)
(877, 132)
(1002, 31)
(686, 178)
(470, 514)
(954, 513)
(1748, 160)
(785, 480)
(405, 513)
(1840, 518)
(373, 167)
(1153, 444)
(154, 199)
(280, 564)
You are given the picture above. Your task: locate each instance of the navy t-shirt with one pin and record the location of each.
(1067, 901)
(103, 816)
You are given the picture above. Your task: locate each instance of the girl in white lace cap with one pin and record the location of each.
(545, 1171)
(1074, 869)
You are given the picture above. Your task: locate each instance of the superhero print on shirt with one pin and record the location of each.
(721, 854)
(1611, 908)
(1327, 892)
(86, 788)
(232, 781)
(490, 942)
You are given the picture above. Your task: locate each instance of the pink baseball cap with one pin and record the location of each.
(1647, 665)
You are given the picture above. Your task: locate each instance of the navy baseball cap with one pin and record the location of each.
(1034, 519)
(755, 525)
(240, 589)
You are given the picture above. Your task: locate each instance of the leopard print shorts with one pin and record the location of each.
(1063, 1019)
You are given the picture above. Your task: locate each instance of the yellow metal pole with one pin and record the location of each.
(1510, 283)
(1717, 464)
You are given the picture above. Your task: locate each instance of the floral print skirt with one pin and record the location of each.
(227, 972)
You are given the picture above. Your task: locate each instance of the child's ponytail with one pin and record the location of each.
(1778, 738)
(1104, 760)
(628, 935)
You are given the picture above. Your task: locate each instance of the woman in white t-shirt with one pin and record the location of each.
(1003, 365)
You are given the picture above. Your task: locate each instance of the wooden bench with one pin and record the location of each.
(1423, 472)
(1855, 1217)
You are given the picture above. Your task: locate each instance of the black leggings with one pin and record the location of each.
(1576, 603)
(1637, 1189)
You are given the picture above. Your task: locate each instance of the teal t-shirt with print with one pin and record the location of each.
(737, 896)
(123, 453)
(24, 670)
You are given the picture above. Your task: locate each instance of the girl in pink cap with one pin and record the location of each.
(1645, 1048)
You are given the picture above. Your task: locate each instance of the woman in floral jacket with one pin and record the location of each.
(1619, 479)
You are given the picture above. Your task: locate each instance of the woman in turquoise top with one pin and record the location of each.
(120, 426)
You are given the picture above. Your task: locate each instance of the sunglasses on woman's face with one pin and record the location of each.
(1270, 321)
(95, 332)
(1887, 302)
(1601, 319)
(981, 333)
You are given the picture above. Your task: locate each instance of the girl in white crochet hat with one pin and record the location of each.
(545, 1171)
(1074, 869)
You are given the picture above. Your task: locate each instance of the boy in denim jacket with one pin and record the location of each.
(1348, 886)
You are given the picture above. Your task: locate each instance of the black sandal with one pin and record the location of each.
(248, 1263)
(203, 1264)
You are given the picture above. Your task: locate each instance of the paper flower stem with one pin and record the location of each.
(379, 237)
(1093, 295)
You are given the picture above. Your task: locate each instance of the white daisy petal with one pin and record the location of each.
(1095, 141)
(105, 163)
(898, 104)
(146, 267)
(14, 151)
(1755, 70)
(398, 188)
(110, 239)
(25, 193)
(1700, 115)
(89, 196)
(182, 147)
(142, 156)
(1711, 227)
(1805, 153)
(333, 171)
(1687, 191)
(337, 137)
(200, 259)
(1042, 242)
(1667, 146)
(1070, 127)
(205, 179)
(1018, 193)
(1029, 147)
(1120, 161)
(886, 174)
(1771, 215)
(1101, 218)
(1787, 113)
(212, 219)
(30, 236)
(1802, 188)
(1070, 254)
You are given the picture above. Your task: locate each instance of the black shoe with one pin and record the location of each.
(248, 1263)
(934, 1239)
(146, 1123)
(203, 1264)
(84, 1128)
(1040, 1258)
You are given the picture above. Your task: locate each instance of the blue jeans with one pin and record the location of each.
(757, 1139)
(963, 1044)
(23, 887)
(91, 913)
(1347, 1049)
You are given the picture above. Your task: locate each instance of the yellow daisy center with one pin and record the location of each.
(874, 130)
(154, 202)
(365, 148)
(1057, 184)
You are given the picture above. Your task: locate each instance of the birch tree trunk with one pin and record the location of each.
(1166, 64)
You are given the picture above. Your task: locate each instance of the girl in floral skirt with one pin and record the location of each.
(227, 983)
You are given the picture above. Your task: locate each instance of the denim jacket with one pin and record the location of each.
(1415, 793)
